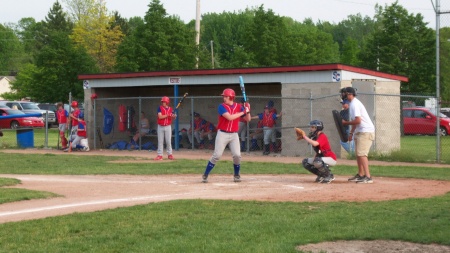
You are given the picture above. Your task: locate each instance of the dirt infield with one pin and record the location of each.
(91, 193)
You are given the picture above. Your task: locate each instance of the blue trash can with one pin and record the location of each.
(25, 138)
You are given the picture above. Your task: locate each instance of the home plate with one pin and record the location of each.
(294, 186)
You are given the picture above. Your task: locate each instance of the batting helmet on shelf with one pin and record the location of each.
(93, 96)
(165, 99)
(229, 93)
(74, 104)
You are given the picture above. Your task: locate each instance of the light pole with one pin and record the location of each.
(197, 29)
(212, 53)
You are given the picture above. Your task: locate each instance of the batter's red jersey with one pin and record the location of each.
(165, 111)
(227, 125)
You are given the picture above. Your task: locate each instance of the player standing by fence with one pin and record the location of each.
(165, 117)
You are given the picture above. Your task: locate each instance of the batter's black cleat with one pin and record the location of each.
(237, 178)
(355, 178)
(205, 179)
(365, 180)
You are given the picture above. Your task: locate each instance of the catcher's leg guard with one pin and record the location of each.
(63, 140)
(266, 149)
(323, 169)
(310, 167)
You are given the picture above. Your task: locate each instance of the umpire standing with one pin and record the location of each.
(363, 131)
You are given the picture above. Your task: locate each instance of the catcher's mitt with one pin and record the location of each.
(300, 133)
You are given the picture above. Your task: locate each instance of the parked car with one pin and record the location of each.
(30, 107)
(19, 120)
(422, 120)
(47, 106)
(446, 111)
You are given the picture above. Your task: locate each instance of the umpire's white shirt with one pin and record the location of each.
(357, 109)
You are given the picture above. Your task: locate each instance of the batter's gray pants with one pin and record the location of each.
(164, 134)
(222, 140)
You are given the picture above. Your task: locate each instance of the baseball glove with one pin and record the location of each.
(300, 133)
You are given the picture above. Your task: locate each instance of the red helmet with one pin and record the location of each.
(93, 96)
(165, 99)
(74, 104)
(229, 93)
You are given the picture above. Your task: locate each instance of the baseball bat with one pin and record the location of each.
(181, 100)
(242, 85)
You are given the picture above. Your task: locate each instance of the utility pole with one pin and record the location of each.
(212, 54)
(197, 29)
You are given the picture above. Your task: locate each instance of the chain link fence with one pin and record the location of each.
(405, 125)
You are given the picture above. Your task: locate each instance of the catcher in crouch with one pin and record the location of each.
(324, 158)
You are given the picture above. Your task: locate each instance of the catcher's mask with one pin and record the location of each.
(315, 126)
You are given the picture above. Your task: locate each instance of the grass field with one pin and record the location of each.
(413, 148)
(219, 225)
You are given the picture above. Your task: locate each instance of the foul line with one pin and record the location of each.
(89, 203)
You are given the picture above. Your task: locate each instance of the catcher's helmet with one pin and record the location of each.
(229, 93)
(165, 99)
(317, 123)
(74, 104)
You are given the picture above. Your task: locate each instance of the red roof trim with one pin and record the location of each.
(200, 72)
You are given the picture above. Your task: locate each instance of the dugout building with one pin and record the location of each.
(301, 93)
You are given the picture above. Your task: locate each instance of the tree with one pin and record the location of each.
(402, 44)
(11, 51)
(96, 31)
(57, 64)
(445, 65)
(351, 34)
(162, 43)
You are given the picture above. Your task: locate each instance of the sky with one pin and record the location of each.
(333, 11)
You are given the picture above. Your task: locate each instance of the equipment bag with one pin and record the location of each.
(122, 118)
(108, 121)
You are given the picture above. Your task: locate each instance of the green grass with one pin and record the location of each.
(231, 226)
(52, 164)
(217, 225)
(14, 194)
(413, 148)
(9, 140)
(418, 149)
